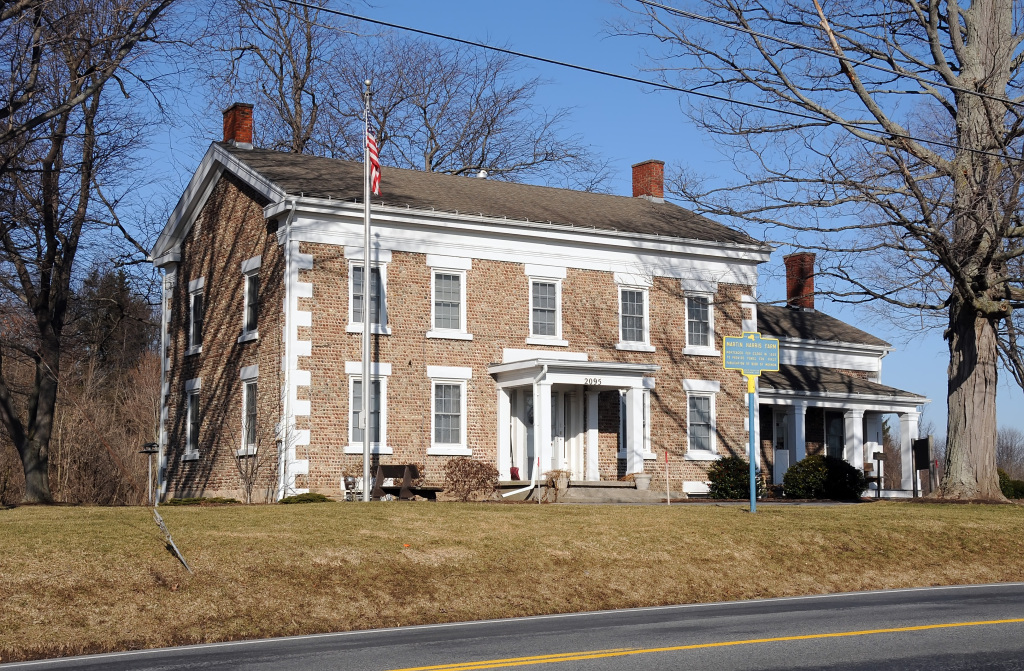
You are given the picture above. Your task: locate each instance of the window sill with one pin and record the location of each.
(648, 456)
(249, 336)
(449, 335)
(246, 451)
(357, 448)
(550, 342)
(701, 455)
(195, 349)
(634, 347)
(190, 456)
(449, 451)
(701, 351)
(375, 329)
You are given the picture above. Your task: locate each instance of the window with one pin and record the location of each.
(632, 302)
(634, 317)
(378, 298)
(251, 299)
(698, 323)
(447, 301)
(448, 410)
(545, 305)
(192, 419)
(377, 416)
(249, 397)
(448, 297)
(700, 419)
(356, 423)
(195, 316)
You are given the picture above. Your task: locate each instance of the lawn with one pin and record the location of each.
(89, 579)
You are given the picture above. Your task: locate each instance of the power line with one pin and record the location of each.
(823, 52)
(647, 82)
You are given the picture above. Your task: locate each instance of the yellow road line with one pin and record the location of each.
(622, 652)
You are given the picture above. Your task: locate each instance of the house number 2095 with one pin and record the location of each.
(592, 380)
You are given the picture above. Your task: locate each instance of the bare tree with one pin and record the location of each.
(888, 135)
(63, 138)
(1010, 451)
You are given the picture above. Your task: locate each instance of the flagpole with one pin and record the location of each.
(364, 419)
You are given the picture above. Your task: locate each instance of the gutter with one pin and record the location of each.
(536, 470)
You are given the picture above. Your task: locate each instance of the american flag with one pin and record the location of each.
(371, 146)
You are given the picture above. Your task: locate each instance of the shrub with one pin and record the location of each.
(1012, 489)
(466, 478)
(308, 497)
(729, 478)
(821, 477)
(200, 501)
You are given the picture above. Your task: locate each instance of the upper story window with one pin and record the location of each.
(196, 312)
(448, 297)
(378, 298)
(634, 314)
(700, 318)
(545, 305)
(251, 299)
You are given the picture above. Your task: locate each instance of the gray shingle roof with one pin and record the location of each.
(343, 180)
(785, 322)
(827, 380)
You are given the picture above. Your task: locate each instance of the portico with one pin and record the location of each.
(548, 410)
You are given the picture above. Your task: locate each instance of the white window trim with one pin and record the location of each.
(712, 348)
(648, 454)
(195, 288)
(246, 375)
(453, 375)
(551, 278)
(632, 345)
(381, 372)
(705, 389)
(449, 266)
(192, 388)
(357, 327)
(250, 268)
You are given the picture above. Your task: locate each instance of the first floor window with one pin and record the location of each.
(249, 417)
(192, 442)
(374, 414)
(447, 413)
(698, 321)
(700, 423)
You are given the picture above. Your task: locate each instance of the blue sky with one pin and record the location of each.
(627, 123)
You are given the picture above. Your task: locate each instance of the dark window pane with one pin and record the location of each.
(698, 323)
(252, 290)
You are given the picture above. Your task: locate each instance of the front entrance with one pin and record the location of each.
(567, 438)
(835, 434)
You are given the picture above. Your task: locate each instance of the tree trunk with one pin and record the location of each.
(35, 460)
(971, 434)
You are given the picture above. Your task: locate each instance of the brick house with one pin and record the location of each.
(530, 327)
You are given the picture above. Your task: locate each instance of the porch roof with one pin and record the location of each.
(829, 382)
(609, 374)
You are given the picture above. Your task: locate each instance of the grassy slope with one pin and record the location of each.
(78, 580)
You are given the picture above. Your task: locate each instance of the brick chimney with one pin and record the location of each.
(238, 125)
(800, 280)
(649, 180)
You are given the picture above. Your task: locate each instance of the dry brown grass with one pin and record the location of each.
(76, 580)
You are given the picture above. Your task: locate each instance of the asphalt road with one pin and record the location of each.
(973, 627)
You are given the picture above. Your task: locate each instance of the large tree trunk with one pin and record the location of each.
(971, 434)
(35, 459)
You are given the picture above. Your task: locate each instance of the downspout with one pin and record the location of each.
(536, 468)
(286, 403)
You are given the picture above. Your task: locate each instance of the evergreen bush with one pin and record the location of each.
(1012, 489)
(308, 497)
(821, 477)
(729, 478)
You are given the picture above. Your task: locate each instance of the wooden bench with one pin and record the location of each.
(406, 473)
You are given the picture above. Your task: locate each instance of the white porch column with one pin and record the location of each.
(504, 434)
(853, 450)
(798, 432)
(908, 433)
(592, 470)
(542, 425)
(635, 430)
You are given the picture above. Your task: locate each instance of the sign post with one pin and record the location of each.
(751, 354)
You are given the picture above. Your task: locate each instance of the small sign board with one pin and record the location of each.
(750, 353)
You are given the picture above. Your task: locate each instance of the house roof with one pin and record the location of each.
(786, 322)
(828, 381)
(316, 177)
